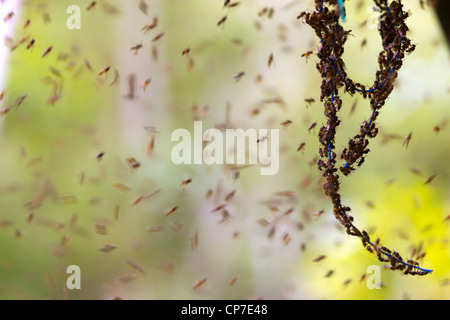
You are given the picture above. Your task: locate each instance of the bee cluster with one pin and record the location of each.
(393, 32)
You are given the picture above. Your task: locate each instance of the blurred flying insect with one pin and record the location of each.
(286, 238)
(19, 101)
(131, 86)
(233, 4)
(2, 94)
(4, 111)
(238, 76)
(151, 129)
(143, 7)
(319, 213)
(135, 266)
(185, 183)
(199, 283)
(270, 60)
(116, 77)
(194, 241)
(30, 217)
(26, 24)
(104, 71)
(100, 156)
(150, 26)
(312, 126)
(407, 140)
(301, 146)
(430, 178)
(46, 18)
(145, 84)
(100, 228)
(88, 65)
(46, 51)
(307, 55)
(30, 43)
(120, 187)
(132, 163)
(222, 21)
(151, 146)
(8, 16)
(91, 5)
(436, 129)
(171, 210)
(136, 48)
(233, 280)
(107, 248)
(319, 258)
(286, 123)
(190, 64)
(159, 36)
(309, 101)
(185, 51)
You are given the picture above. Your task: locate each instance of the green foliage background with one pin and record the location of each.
(45, 149)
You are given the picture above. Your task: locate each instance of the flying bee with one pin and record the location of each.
(286, 238)
(222, 21)
(91, 5)
(319, 258)
(20, 100)
(159, 36)
(145, 84)
(4, 111)
(171, 210)
(46, 51)
(104, 71)
(407, 140)
(150, 26)
(238, 76)
(100, 156)
(301, 146)
(230, 196)
(436, 129)
(286, 123)
(270, 60)
(190, 64)
(151, 146)
(9, 16)
(194, 241)
(132, 163)
(185, 51)
(2, 94)
(309, 101)
(430, 178)
(136, 48)
(26, 24)
(319, 213)
(312, 126)
(87, 64)
(232, 281)
(306, 55)
(143, 7)
(199, 283)
(185, 183)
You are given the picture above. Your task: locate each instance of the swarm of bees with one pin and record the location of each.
(169, 215)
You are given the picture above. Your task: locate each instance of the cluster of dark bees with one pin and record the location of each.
(393, 32)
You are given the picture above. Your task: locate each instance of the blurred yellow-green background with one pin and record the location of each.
(58, 199)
